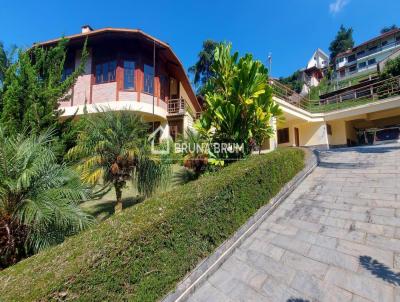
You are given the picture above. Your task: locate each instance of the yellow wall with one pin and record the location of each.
(313, 134)
(184, 95)
(310, 134)
(338, 136)
(351, 133)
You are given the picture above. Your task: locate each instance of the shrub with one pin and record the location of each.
(39, 198)
(141, 254)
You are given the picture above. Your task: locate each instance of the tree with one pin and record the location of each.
(391, 69)
(239, 100)
(33, 86)
(342, 42)
(293, 81)
(388, 77)
(113, 148)
(38, 197)
(3, 62)
(202, 71)
(388, 28)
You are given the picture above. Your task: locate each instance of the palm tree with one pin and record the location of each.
(39, 198)
(113, 148)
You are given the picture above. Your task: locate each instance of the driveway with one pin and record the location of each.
(335, 238)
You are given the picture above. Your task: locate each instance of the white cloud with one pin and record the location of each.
(337, 6)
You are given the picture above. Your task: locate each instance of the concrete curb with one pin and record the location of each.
(209, 265)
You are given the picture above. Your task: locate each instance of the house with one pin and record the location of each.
(315, 70)
(345, 119)
(128, 69)
(364, 58)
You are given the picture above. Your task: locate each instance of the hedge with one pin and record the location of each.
(141, 254)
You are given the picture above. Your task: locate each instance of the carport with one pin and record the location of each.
(362, 128)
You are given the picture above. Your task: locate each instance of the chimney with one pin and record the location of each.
(86, 29)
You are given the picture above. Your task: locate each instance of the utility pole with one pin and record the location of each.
(154, 75)
(270, 64)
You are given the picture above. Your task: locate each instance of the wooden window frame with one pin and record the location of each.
(102, 63)
(144, 79)
(134, 74)
(283, 136)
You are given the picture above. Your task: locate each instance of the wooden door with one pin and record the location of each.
(296, 137)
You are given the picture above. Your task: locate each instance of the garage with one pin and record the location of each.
(375, 128)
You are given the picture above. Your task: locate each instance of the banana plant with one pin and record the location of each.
(239, 104)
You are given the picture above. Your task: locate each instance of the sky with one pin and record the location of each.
(289, 29)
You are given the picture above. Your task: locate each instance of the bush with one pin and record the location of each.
(141, 254)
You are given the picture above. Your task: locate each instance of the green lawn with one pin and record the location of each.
(326, 86)
(315, 107)
(104, 207)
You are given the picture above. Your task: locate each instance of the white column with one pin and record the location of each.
(273, 141)
(165, 131)
(326, 136)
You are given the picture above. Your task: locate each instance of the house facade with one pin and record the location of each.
(336, 121)
(364, 58)
(315, 70)
(128, 69)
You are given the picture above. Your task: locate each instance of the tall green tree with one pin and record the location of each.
(239, 100)
(342, 42)
(3, 62)
(33, 87)
(39, 198)
(113, 149)
(388, 28)
(293, 81)
(202, 71)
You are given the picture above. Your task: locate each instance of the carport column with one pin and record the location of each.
(273, 141)
(326, 136)
(165, 131)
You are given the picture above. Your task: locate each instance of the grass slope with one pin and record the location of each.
(317, 108)
(141, 254)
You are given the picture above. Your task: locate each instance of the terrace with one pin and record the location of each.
(364, 94)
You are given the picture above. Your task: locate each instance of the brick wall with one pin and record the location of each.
(102, 93)
(82, 85)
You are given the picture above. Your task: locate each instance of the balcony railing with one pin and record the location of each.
(378, 49)
(176, 106)
(370, 92)
(284, 92)
(366, 53)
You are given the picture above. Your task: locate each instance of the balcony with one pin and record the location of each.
(367, 53)
(379, 49)
(361, 94)
(176, 106)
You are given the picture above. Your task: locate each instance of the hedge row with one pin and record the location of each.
(141, 254)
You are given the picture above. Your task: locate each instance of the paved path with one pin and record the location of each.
(335, 238)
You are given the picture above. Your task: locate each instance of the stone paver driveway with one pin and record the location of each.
(335, 238)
